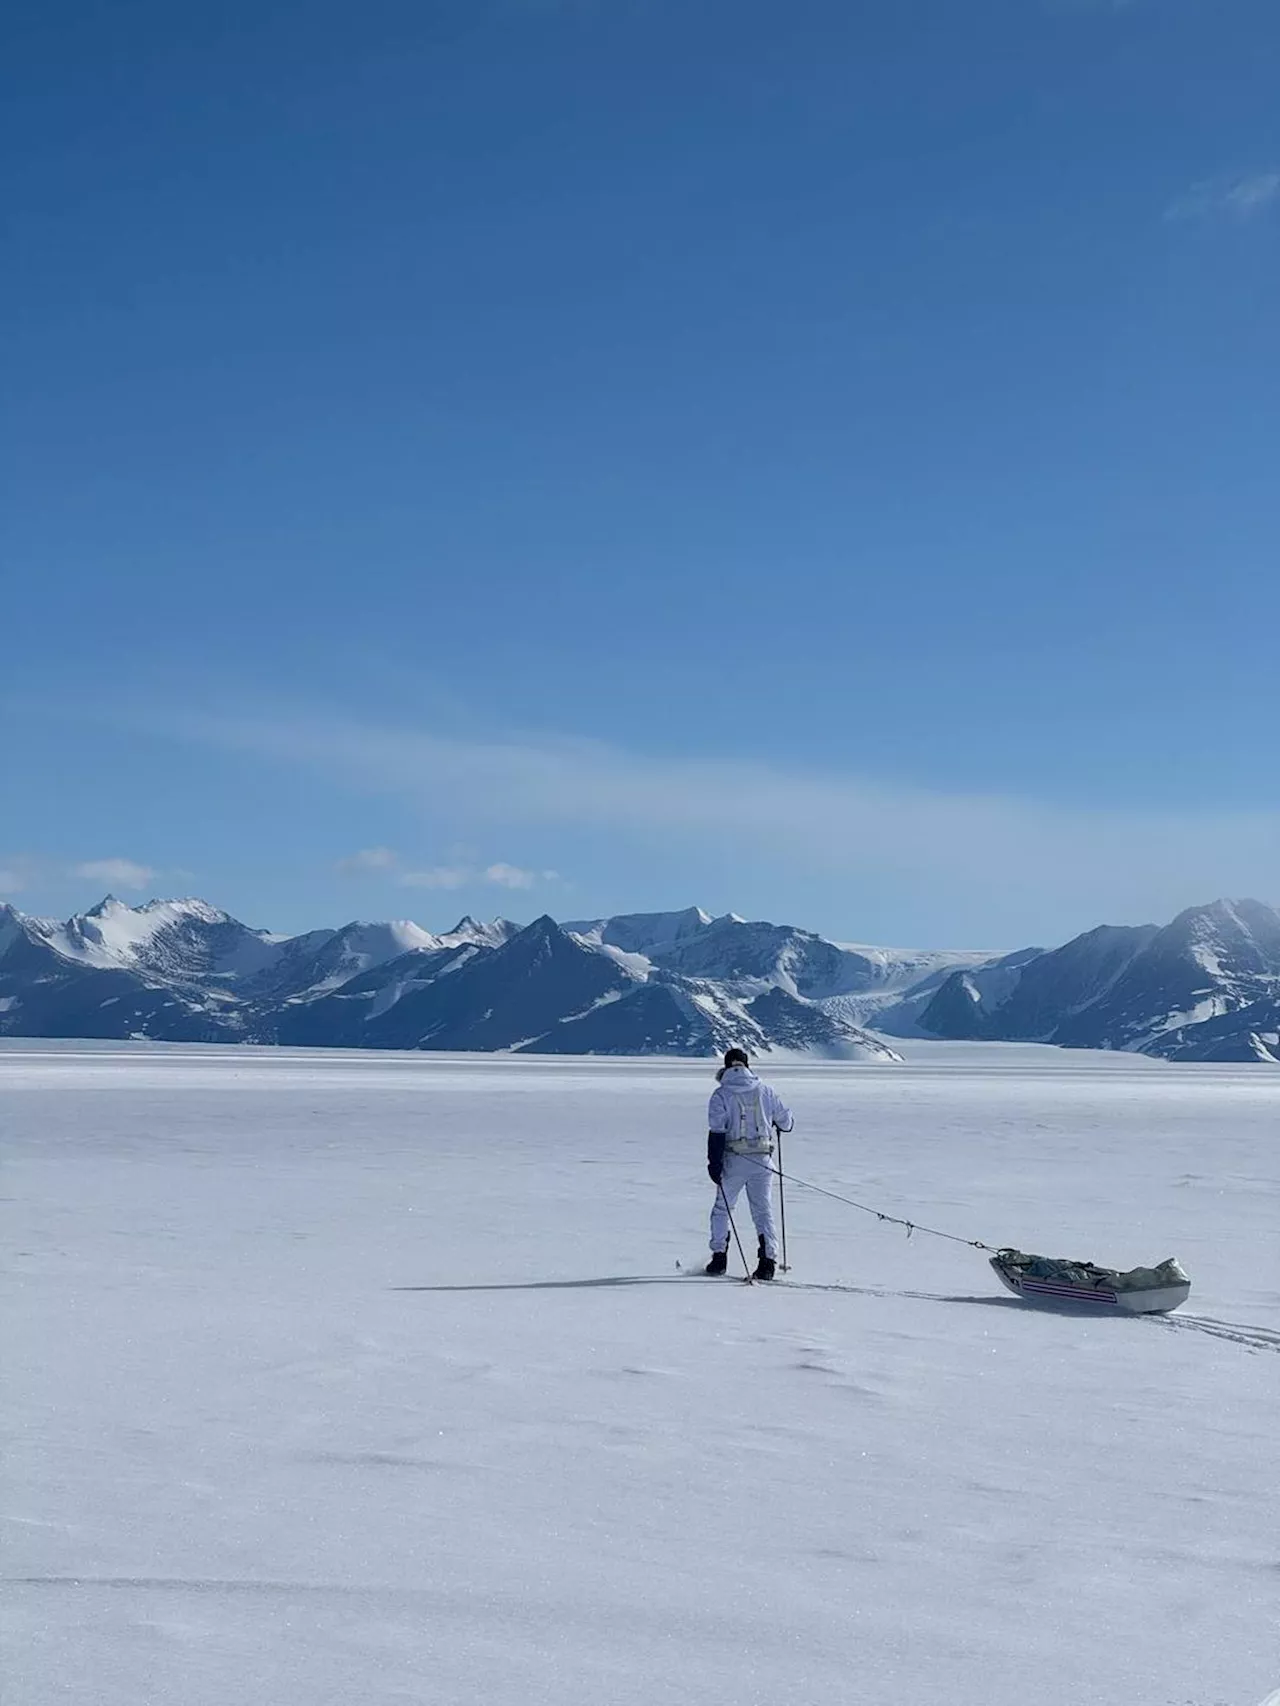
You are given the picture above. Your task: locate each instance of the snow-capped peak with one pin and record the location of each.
(171, 938)
(110, 933)
(1206, 986)
(646, 933)
(486, 935)
(384, 941)
(108, 905)
(1228, 938)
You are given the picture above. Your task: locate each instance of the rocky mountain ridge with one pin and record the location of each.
(184, 971)
(1205, 987)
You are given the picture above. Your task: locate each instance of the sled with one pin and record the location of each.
(1049, 1279)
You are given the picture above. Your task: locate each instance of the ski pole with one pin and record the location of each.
(782, 1202)
(733, 1228)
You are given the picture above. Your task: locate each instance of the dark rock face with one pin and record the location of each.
(1205, 987)
(359, 1010)
(794, 1024)
(45, 994)
(181, 971)
(1248, 1035)
(503, 999)
(730, 949)
(653, 1019)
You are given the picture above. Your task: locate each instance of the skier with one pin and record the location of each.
(741, 1119)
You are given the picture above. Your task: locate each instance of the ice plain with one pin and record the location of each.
(335, 1379)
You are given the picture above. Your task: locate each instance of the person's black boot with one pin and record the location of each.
(766, 1267)
(718, 1264)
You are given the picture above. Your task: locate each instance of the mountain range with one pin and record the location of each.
(657, 983)
(1206, 987)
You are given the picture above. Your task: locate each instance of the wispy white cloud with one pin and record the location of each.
(384, 860)
(368, 860)
(510, 877)
(116, 873)
(438, 877)
(500, 875)
(12, 880)
(1085, 862)
(1238, 199)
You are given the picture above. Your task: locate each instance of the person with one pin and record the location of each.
(741, 1120)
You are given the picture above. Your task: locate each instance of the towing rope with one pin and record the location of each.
(889, 1219)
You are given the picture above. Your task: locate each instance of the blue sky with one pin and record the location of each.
(817, 460)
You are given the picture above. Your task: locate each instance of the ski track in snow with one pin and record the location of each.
(350, 1380)
(1234, 1332)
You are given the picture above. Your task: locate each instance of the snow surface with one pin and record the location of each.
(901, 968)
(642, 933)
(114, 933)
(906, 981)
(360, 946)
(638, 966)
(337, 1379)
(489, 935)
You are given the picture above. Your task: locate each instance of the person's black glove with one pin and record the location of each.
(716, 1141)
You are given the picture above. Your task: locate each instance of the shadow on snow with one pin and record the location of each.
(1252, 1338)
(611, 1281)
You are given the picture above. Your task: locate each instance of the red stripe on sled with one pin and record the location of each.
(1046, 1288)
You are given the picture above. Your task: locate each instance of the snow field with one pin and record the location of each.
(339, 1379)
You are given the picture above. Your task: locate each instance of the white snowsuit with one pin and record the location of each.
(746, 1110)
